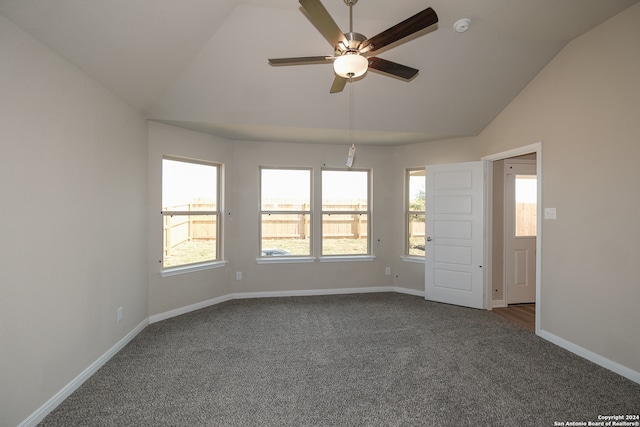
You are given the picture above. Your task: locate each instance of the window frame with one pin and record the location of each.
(216, 213)
(369, 213)
(409, 213)
(285, 258)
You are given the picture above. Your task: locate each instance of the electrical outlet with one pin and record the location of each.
(238, 275)
(387, 271)
(120, 313)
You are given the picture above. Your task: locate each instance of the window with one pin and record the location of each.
(526, 205)
(415, 212)
(285, 212)
(191, 212)
(345, 212)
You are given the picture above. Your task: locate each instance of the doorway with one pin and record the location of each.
(520, 231)
(495, 226)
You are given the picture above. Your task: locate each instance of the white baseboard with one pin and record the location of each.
(189, 308)
(496, 303)
(277, 294)
(408, 291)
(591, 356)
(66, 391)
(312, 292)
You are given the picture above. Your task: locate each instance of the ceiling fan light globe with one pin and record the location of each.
(350, 65)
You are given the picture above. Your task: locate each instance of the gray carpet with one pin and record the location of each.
(348, 360)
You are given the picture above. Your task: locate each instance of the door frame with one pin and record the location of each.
(488, 221)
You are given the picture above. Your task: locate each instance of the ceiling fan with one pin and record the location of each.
(351, 50)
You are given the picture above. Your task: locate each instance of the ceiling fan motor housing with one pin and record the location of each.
(354, 41)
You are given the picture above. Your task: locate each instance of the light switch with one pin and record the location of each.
(550, 213)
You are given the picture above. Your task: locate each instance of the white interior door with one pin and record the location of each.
(520, 203)
(454, 247)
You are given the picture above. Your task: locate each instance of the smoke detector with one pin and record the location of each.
(462, 25)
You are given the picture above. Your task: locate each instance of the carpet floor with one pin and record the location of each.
(383, 359)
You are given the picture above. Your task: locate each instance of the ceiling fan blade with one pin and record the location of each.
(393, 68)
(399, 31)
(323, 21)
(338, 84)
(301, 60)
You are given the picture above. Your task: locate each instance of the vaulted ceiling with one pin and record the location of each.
(202, 64)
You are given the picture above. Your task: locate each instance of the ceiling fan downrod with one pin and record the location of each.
(350, 3)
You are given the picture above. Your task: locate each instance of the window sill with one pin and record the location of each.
(416, 259)
(346, 258)
(285, 260)
(174, 271)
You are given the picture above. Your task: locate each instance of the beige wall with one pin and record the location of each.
(72, 219)
(585, 108)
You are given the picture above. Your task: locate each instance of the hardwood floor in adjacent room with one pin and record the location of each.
(522, 314)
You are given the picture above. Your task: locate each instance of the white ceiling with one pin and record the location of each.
(202, 64)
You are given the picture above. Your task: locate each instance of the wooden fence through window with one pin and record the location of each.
(179, 229)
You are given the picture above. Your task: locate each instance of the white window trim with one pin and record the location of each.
(286, 259)
(346, 258)
(369, 213)
(413, 258)
(183, 269)
(408, 212)
(206, 265)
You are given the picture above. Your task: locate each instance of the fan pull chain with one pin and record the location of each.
(352, 112)
(352, 122)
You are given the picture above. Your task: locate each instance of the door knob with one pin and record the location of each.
(428, 239)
